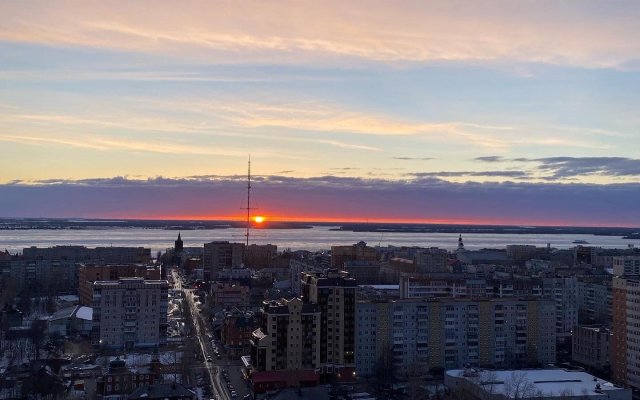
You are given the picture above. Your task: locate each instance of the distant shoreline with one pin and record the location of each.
(96, 224)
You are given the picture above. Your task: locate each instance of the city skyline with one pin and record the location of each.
(462, 112)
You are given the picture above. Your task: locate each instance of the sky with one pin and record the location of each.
(510, 112)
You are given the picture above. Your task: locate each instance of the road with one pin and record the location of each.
(214, 368)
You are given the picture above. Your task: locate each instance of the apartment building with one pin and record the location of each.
(626, 265)
(564, 292)
(111, 254)
(619, 330)
(335, 293)
(129, 313)
(591, 346)
(359, 251)
(522, 252)
(626, 335)
(421, 286)
(87, 274)
(221, 255)
(432, 260)
(51, 275)
(296, 268)
(229, 295)
(417, 335)
(365, 272)
(260, 256)
(288, 338)
(595, 299)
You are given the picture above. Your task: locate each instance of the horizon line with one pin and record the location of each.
(335, 220)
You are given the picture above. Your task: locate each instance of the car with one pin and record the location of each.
(234, 394)
(218, 357)
(247, 396)
(209, 359)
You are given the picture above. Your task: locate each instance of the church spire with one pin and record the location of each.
(178, 245)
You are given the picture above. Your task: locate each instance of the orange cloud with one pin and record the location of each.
(545, 31)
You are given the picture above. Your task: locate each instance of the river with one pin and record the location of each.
(315, 238)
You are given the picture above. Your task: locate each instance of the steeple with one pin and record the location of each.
(179, 245)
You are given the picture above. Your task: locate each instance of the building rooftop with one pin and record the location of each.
(548, 382)
(162, 391)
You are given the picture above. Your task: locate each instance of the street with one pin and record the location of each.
(215, 367)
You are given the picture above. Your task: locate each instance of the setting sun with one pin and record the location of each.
(258, 219)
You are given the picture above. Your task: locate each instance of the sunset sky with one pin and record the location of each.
(523, 112)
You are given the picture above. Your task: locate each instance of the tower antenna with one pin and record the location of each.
(248, 199)
(248, 207)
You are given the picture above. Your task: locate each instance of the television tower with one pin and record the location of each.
(248, 208)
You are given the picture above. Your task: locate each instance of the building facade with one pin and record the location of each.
(129, 313)
(595, 300)
(591, 346)
(288, 338)
(87, 274)
(619, 330)
(626, 265)
(418, 335)
(432, 260)
(221, 255)
(335, 294)
(228, 295)
(357, 252)
(123, 255)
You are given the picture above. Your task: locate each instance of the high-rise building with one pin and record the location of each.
(521, 252)
(414, 336)
(335, 293)
(564, 291)
(87, 274)
(288, 338)
(111, 254)
(626, 265)
(619, 330)
(625, 342)
(432, 260)
(364, 272)
(129, 313)
(221, 255)
(594, 299)
(260, 255)
(357, 252)
(52, 275)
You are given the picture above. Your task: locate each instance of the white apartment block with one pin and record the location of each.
(564, 292)
(130, 313)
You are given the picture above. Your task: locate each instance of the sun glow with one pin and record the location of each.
(258, 219)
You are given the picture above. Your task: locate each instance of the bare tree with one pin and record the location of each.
(384, 369)
(517, 386)
(416, 376)
(37, 336)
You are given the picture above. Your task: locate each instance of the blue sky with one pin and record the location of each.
(385, 91)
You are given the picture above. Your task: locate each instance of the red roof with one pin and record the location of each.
(290, 377)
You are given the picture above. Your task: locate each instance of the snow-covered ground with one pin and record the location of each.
(143, 359)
